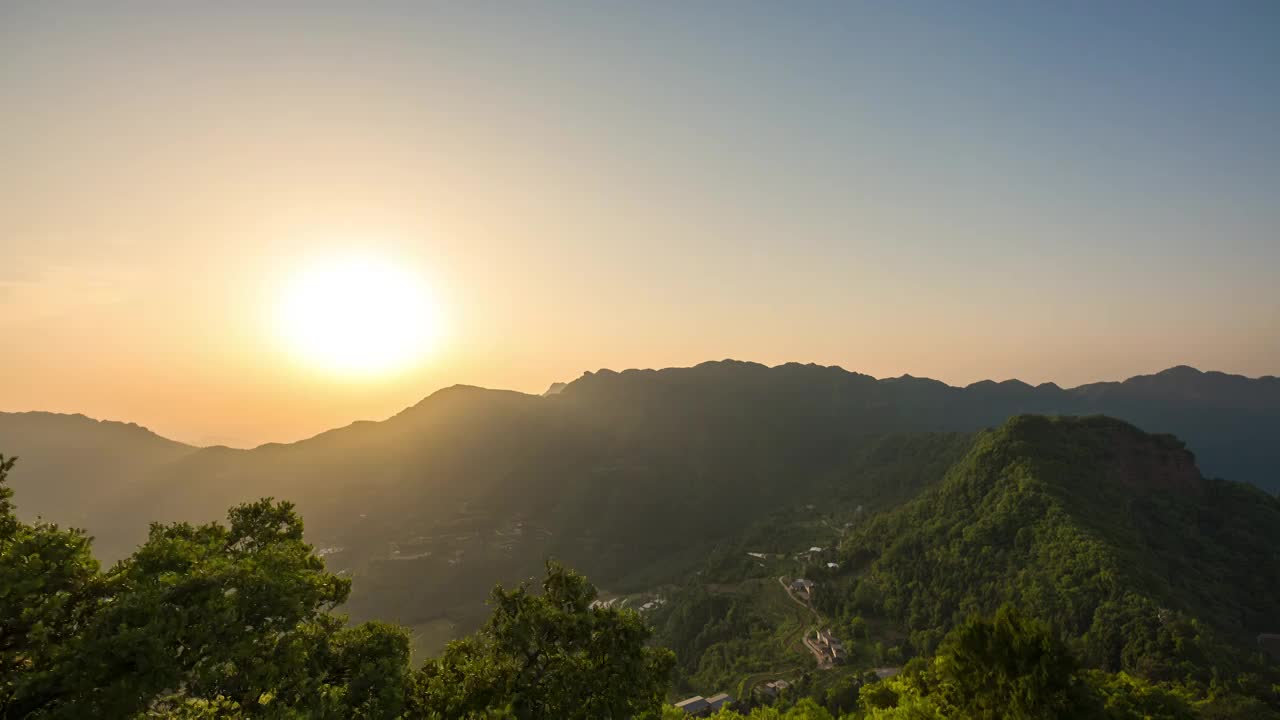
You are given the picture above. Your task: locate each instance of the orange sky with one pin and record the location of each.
(583, 192)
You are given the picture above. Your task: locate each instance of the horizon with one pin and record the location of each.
(585, 373)
(735, 359)
(252, 222)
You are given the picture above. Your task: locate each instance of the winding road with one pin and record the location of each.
(818, 655)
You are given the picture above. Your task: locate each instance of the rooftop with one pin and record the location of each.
(695, 704)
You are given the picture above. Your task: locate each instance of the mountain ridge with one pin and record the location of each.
(661, 438)
(1181, 372)
(632, 476)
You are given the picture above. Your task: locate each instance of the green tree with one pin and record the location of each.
(200, 617)
(1009, 667)
(549, 655)
(237, 621)
(48, 587)
(842, 695)
(806, 709)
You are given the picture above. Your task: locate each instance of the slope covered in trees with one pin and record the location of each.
(1056, 571)
(1106, 532)
(1084, 566)
(634, 477)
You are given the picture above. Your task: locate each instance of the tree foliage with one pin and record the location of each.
(1104, 531)
(236, 620)
(548, 655)
(1011, 666)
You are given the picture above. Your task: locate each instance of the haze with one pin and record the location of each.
(1004, 192)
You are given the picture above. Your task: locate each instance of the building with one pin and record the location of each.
(803, 587)
(715, 702)
(832, 647)
(773, 688)
(696, 705)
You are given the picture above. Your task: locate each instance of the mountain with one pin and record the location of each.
(633, 477)
(1152, 574)
(1110, 533)
(73, 465)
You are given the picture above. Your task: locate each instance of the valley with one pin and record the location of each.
(795, 524)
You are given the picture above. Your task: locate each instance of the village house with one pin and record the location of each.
(830, 646)
(773, 688)
(715, 702)
(698, 706)
(803, 587)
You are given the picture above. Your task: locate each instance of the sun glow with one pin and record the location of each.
(357, 316)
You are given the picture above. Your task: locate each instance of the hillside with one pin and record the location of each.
(634, 477)
(73, 466)
(1109, 533)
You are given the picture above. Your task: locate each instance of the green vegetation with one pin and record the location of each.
(1009, 667)
(733, 618)
(235, 621)
(635, 478)
(1157, 579)
(1018, 668)
(721, 636)
(1046, 568)
(1104, 532)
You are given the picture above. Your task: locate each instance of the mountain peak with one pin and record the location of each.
(1117, 451)
(1178, 371)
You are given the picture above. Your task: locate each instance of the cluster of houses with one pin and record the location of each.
(806, 554)
(698, 706)
(621, 602)
(829, 646)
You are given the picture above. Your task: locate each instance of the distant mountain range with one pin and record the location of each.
(630, 476)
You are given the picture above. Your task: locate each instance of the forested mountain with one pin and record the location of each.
(1146, 585)
(1109, 533)
(633, 477)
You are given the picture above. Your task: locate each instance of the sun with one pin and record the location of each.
(357, 316)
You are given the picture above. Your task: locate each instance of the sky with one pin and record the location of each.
(1048, 191)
